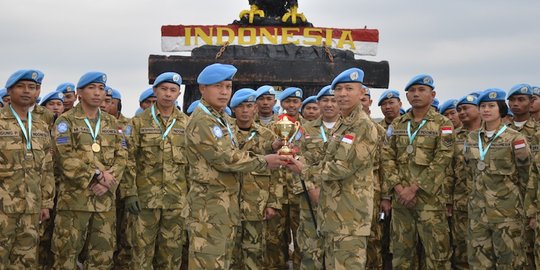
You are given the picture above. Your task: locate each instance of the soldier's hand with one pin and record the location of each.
(406, 195)
(107, 179)
(277, 144)
(386, 206)
(269, 213)
(295, 165)
(532, 223)
(99, 189)
(44, 215)
(274, 161)
(314, 195)
(132, 204)
(411, 204)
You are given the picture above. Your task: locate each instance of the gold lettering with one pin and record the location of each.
(346, 38)
(252, 36)
(188, 36)
(206, 38)
(329, 37)
(230, 34)
(286, 33)
(272, 38)
(315, 34)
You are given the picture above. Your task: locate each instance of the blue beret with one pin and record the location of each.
(477, 93)
(54, 95)
(510, 113)
(3, 93)
(171, 77)
(241, 96)
(23, 74)
(116, 94)
(66, 88)
(520, 89)
(448, 105)
(388, 94)
(108, 91)
(325, 91)
(265, 90)
(92, 77)
(276, 109)
(146, 94)
(193, 106)
(435, 103)
(492, 94)
(468, 99)
(216, 73)
(291, 92)
(138, 111)
(347, 76)
(311, 99)
(228, 111)
(40, 77)
(38, 100)
(535, 90)
(422, 79)
(402, 111)
(368, 92)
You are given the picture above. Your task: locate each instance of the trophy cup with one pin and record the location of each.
(286, 129)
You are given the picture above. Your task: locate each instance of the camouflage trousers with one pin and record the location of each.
(122, 254)
(537, 243)
(45, 255)
(528, 244)
(18, 240)
(72, 229)
(409, 226)
(344, 251)
(495, 246)
(211, 246)
(278, 237)
(157, 238)
(250, 246)
(309, 243)
(374, 241)
(459, 223)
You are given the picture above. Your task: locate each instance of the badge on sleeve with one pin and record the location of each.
(390, 131)
(348, 138)
(217, 132)
(62, 127)
(128, 130)
(446, 130)
(519, 144)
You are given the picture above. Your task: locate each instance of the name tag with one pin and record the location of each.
(177, 131)
(81, 130)
(9, 133)
(150, 131)
(40, 134)
(109, 131)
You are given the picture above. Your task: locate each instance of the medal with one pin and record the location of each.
(481, 165)
(409, 149)
(96, 148)
(29, 155)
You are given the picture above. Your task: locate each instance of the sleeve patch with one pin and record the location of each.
(519, 144)
(61, 140)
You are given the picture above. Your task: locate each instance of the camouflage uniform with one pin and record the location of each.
(156, 174)
(346, 198)
(26, 187)
(82, 216)
(529, 130)
(385, 238)
(531, 204)
(426, 222)
(44, 114)
(258, 120)
(213, 209)
(496, 207)
(257, 193)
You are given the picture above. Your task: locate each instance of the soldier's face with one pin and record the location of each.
(535, 104)
(452, 114)
(420, 96)
(311, 111)
(489, 111)
(329, 108)
(519, 104)
(349, 95)
(390, 108)
(468, 113)
(217, 95)
(245, 112)
(265, 104)
(166, 94)
(92, 94)
(113, 107)
(23, 93)
(105, 104)
(69, 100)
(56, 106)
(292, 105)
(148, 102)
(366, 103)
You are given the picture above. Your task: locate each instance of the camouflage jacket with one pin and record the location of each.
(383, 124)
(377, 166)
(459, 181)
(258, 120)
(529, 130)
(497, 191)
(312, 147)
(26, 180)
(346, 198)
(157, 168)
(122, 122)
(433, 148)
(44, 114)
(258, 189)
(215, 163)
(78, 162)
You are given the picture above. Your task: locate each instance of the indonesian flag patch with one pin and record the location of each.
(519, 144)
(307, 136)
(446, 130)
(348, 138)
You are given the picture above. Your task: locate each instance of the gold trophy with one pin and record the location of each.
(286, 129)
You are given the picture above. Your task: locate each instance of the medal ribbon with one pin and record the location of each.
(413, 136)
(224, 123)
(27, 134)
(323, 134)
(95, 132)
(481, 144)
(169, 127)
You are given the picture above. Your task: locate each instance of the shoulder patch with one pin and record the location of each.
(128, 130)
(62, 127)
(519, 144)
(217, 132)
(348, 138)
(446, 130)
(61, 140)
(390, 131)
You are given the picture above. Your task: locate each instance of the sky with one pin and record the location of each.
(465, 45)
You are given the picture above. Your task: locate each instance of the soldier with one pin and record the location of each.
(54, 102)
(115, 109)
(155, 183)
(258, 199)
(435, 104)
(390, 104)
(26, 174)
(535, 104)
(92, 158)
(213, 212)
(316, 135)
(147, 98)
(192, 106)
(499, 161)
(419, 149)
(107, 101)
(4, 96)
(310, 109)
(266, 100)
(70, 96)
(448, 109)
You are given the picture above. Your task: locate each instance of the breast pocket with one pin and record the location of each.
(108, 148)
(425, 150)
(150, 150)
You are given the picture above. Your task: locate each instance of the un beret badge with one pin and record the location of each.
(297, 93)
(523, 90)
(331, 92)
(60, 95)
(470, 98)
(536, 90)
(34, 75)
(427, 80)
(68, 89)
(389, 95)
(176, 77)
(250, 99)
(104, 78)
(492, 95)
(354, 76)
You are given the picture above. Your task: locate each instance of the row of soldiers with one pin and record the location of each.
(163, 181)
